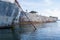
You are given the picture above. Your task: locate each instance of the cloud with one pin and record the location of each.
(48, 2)
(39, 4)
(32, 4)
(44, 7)
(51, 12)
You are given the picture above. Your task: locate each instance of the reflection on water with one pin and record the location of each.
(46, 31)
(6, 34)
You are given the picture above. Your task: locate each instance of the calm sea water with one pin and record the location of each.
(6, 34)
(46, 31)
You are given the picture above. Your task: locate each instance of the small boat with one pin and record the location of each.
(8, 12)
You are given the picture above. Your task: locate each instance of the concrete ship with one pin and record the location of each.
(35, 19)
(9, 12)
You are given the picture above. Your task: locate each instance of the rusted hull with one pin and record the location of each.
(29, 22)
(35, 22)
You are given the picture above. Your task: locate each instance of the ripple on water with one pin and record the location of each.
(48, 31)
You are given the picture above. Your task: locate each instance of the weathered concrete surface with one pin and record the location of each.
(35, 19)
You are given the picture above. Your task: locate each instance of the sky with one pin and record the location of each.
(43, 7)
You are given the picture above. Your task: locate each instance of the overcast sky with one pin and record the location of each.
(43, 7)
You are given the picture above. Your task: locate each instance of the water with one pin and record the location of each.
(46, 31)
(6, 34)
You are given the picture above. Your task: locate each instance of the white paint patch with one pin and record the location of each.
(12, 1)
